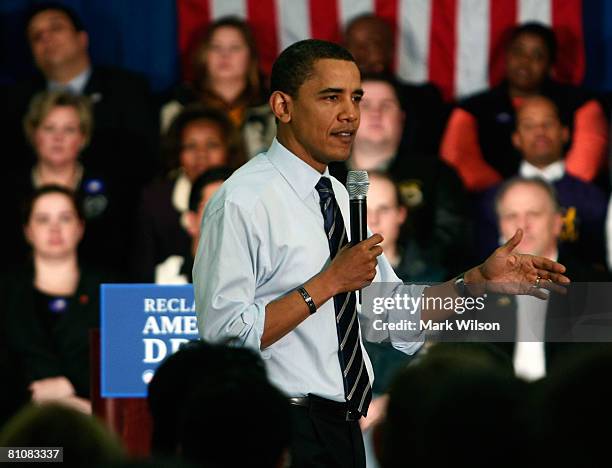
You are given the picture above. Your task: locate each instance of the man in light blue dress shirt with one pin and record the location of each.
(263, 239)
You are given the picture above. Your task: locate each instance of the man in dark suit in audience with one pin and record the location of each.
(432, 192)
(540, 137)
(124, 123)
(537, 332)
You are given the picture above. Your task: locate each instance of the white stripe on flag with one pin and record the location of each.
(535, 10)
(221, 8)
(350, 9)
(413, 30)
(294, 21)
(472, 53)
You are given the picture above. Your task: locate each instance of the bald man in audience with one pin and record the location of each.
(540, 326)
(478, 138)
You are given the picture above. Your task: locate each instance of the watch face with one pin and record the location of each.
(460, 286)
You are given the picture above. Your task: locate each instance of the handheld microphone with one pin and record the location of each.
(357, 184)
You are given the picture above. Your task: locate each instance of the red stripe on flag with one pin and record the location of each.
(567, 23)
(388, 10)
(503, 17)
(262, 18)
(442, 45)
(324, 20)
(193, 17)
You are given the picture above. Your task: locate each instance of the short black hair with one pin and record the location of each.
(294, 65)
(214, 418)
(389, 79)
(175, 380)
(216, 174)
(69, 12)
(542, 31)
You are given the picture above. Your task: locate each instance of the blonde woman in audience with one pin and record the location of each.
(51, 303)
(59, 126)
(226, 76)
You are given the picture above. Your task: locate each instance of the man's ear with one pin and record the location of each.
(84, 40)
(402, 214)
(516, 140)
(565, 134)
(281, 104)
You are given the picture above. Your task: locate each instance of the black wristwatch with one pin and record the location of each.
(307, 299)
(460, 287)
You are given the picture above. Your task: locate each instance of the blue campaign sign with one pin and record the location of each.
(141, 324)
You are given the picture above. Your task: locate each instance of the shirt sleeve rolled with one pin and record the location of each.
(224, 279)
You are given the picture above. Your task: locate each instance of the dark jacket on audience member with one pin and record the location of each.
(563, 313)
(159, 233)
(124, 130)
(437, 209)
(496, 119)
(51, 344)
(584, 210)
(425, 118)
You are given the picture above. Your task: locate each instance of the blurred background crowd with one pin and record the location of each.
(106, 176)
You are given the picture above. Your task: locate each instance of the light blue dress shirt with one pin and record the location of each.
(262, 237)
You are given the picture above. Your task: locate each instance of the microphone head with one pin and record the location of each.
(357, 184)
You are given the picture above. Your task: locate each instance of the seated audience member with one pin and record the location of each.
(454, 408)
(264, 432)
(199, 139)
(52, 302)
(386, 216)
(540, 137)
(478, 138)
(122, 140)
(370, 39)
(176, 269)
(431, 190)
(84, 440)
(185, 403)
(59, 127)
(227, 77)
(538, 326)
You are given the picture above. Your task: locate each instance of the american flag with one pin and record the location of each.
(457, 44)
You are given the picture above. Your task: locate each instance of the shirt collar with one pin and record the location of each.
(75, 86)
(300, 176)
(550, 173)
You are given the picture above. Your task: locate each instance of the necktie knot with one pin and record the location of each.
(324, 188)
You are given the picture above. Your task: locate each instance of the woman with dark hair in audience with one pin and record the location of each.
(226, 76)
(58, 125)
(478, 138)
(199, 139)
(51, 303)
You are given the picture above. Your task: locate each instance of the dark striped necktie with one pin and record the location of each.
(357, 388)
